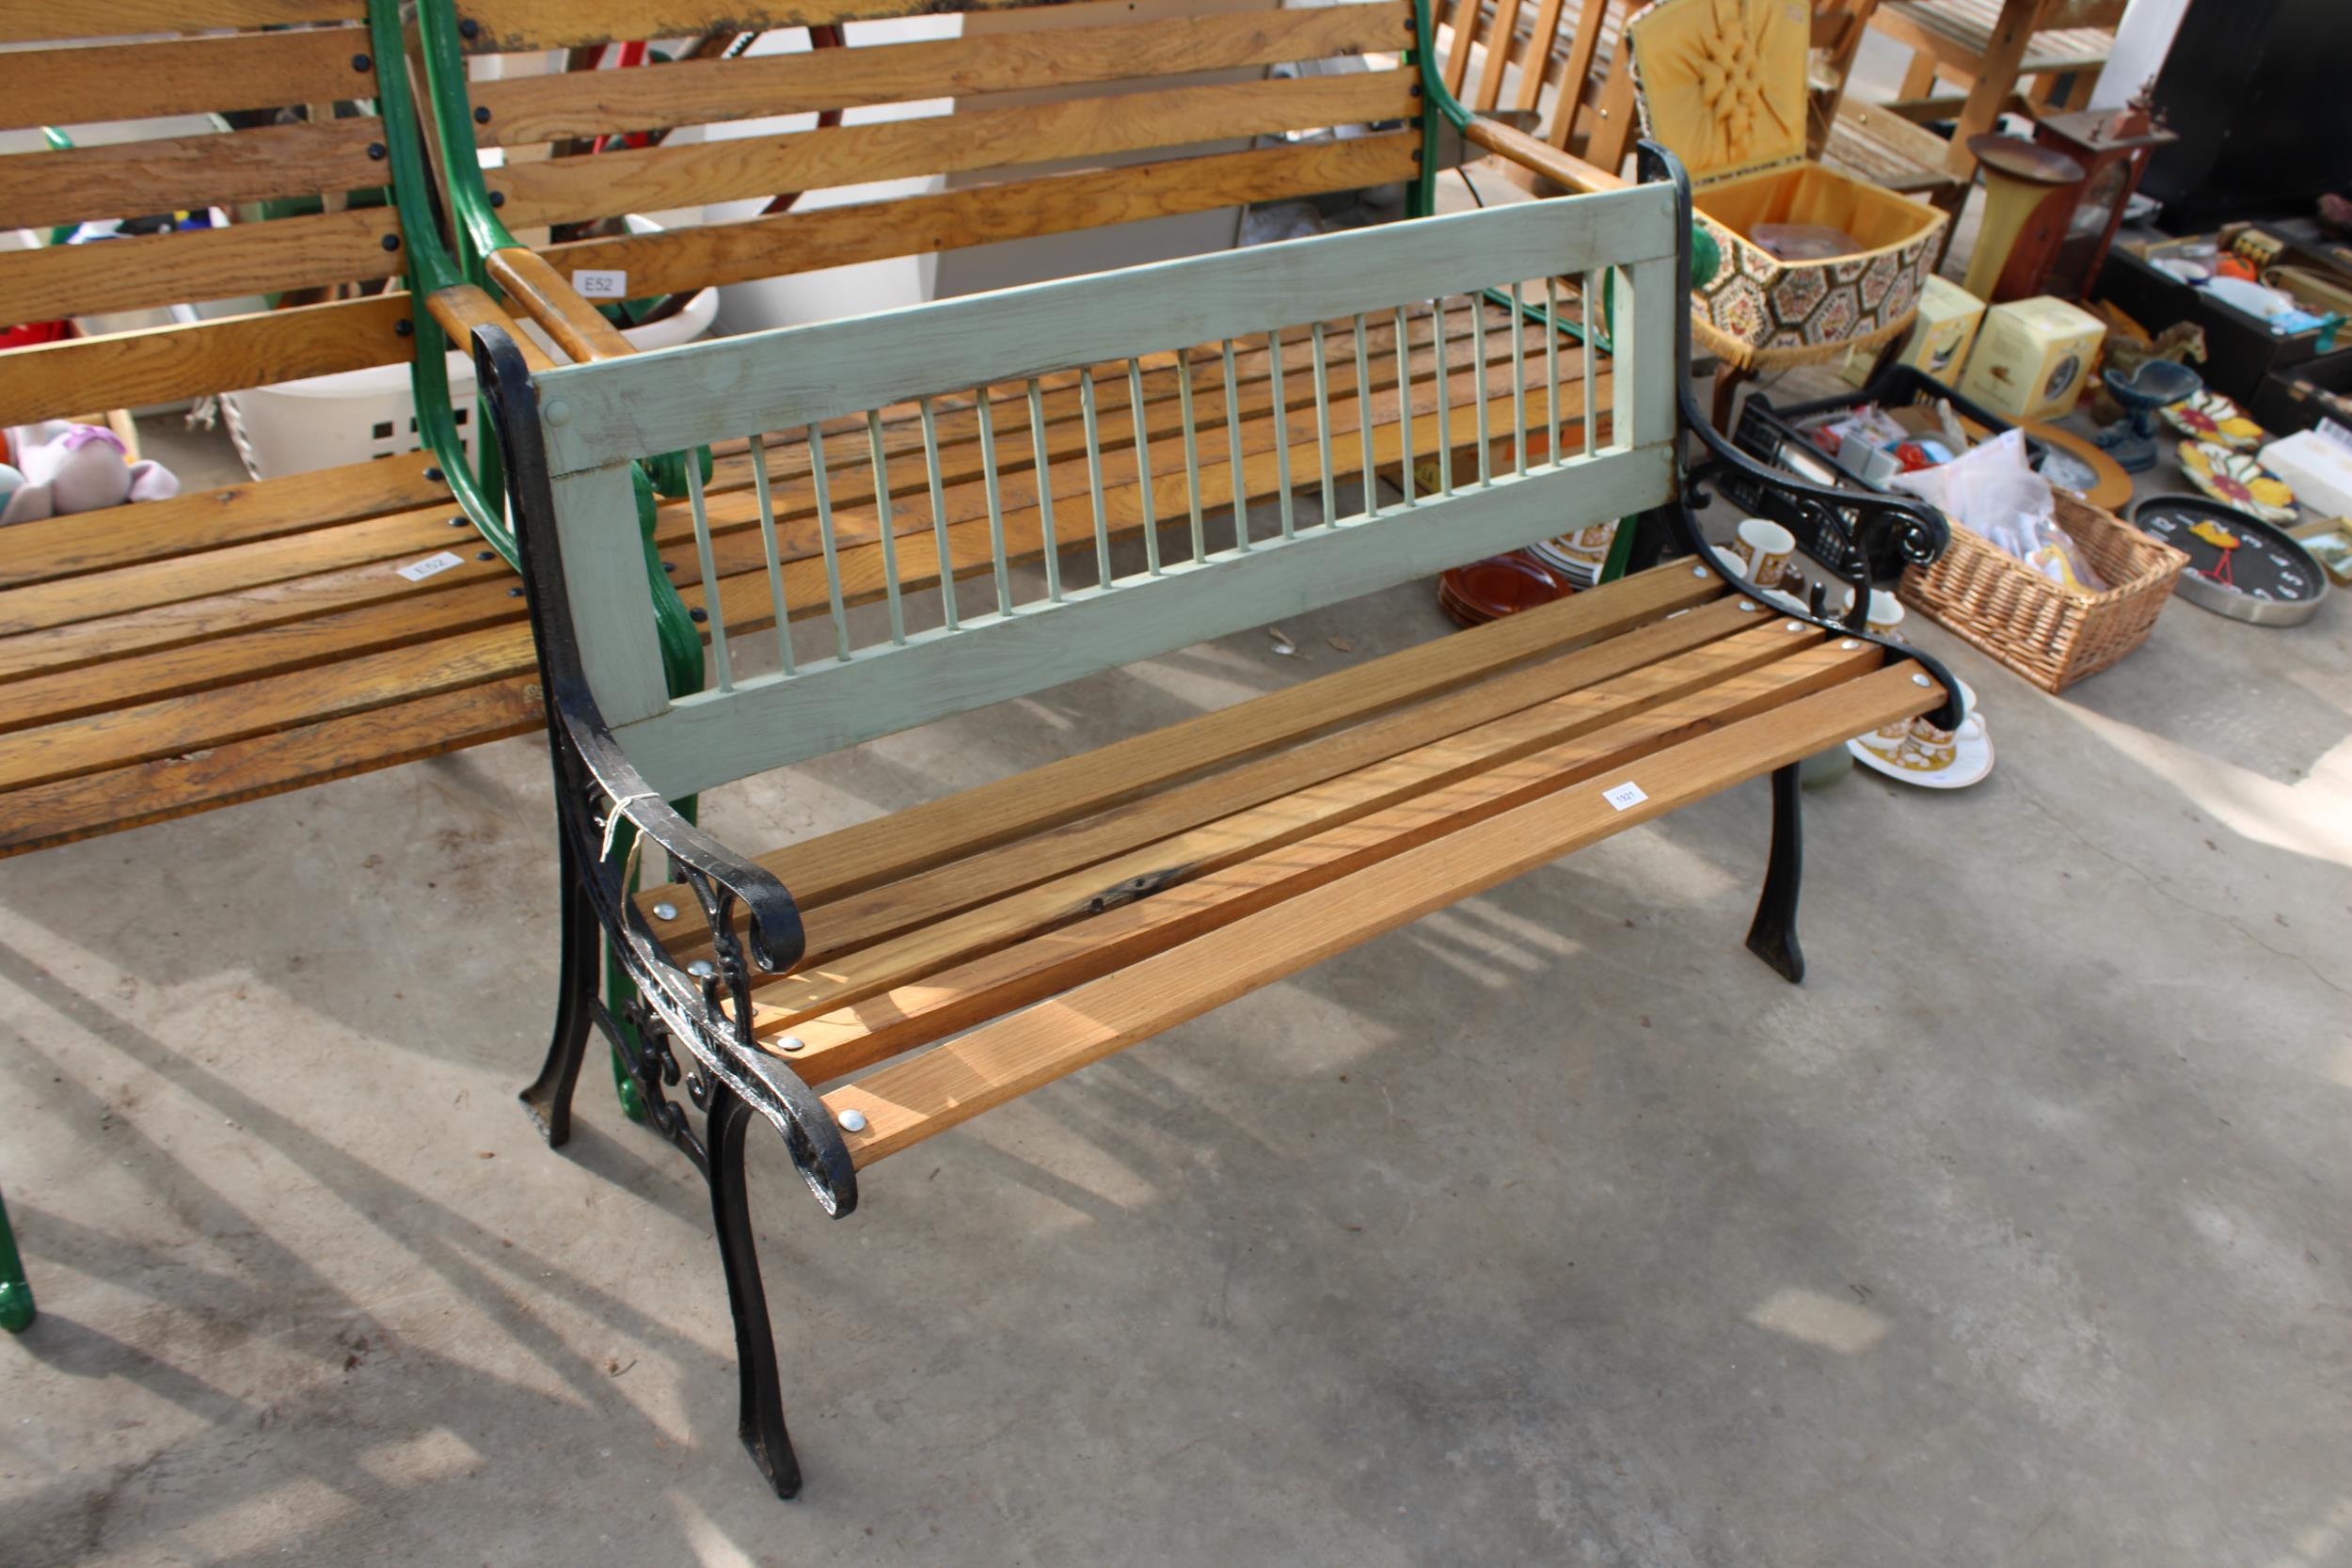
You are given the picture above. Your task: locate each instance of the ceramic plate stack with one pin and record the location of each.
(1577, 558)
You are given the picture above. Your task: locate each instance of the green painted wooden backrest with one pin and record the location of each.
(859, 381)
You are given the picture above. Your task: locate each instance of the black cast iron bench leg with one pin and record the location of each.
(1772, 935)
(550, 1096)
(760, 1422)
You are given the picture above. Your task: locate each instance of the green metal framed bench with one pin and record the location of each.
(869, 990)
(173, 657)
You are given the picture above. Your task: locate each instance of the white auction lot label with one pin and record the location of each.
(1625, 794)
(432, 565)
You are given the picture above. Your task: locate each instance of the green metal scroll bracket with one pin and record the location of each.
(477, 231)
(16, 1297)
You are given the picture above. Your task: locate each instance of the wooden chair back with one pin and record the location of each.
(1555, 58)
(294, 154)
(583, 148)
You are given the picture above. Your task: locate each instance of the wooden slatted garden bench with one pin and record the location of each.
(165, 657)
(868, 990)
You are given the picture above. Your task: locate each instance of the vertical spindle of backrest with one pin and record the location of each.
(768, 549)
(1281, 428)
(1323, 427)
(1585, 288)
(1238, 490)
(1445, 399)
(1551, 366)
(1364, 417)
(995, 504)
(1192, 451)
(1143, 466)
(883, 521)
(823, 483)
(1046, 536)
(1404, 404)
(1518, 382)
(1478, 363)
(713, 609)
(1094, 479)
(947, 566)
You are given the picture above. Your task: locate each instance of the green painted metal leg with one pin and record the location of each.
(16, 1297)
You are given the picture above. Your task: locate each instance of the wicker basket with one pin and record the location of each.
(2049, 635)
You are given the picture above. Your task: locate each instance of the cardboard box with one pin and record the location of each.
(2032, 358)
(1937, 343)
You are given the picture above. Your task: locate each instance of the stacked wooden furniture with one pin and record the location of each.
(1868, 140)
(165, 657)
(1565, 51)
(1987, 46)
(1084, 456)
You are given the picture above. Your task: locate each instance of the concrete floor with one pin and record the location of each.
(1552, 1230)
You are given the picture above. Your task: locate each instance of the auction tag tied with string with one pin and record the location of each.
(600, 284)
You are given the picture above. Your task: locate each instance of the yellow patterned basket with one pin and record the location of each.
(1721, 82)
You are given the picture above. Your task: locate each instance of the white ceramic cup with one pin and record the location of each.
(1930, 747)
(1884, 618)
(1762, 548)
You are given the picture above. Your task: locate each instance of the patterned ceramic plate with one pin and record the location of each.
(2211, 417)
(2236, 480)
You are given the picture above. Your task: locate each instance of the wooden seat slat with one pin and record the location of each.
(881, 912)
(198, 520)
(908, 1101)
(852, 1038)
(855, 920)
(158, 789)
(905, 843)
(526, 109)
(853, 953)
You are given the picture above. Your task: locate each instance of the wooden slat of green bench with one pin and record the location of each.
(159, 790)
(545, 108)
(199, 520)
(50, 281)
(170, 173)
(687, 259)
(833, 977)
(33, 19)
(906, 1102)
(567, 190)
(854, 1037)
(182, 76)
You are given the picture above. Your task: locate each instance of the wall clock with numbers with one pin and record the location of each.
(2238, 566)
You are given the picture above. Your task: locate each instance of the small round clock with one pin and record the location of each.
(2238, 566)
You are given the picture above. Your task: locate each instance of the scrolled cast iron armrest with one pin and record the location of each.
(1920, 530)
(1845, 523)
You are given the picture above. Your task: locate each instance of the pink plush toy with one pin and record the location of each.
(75, 468)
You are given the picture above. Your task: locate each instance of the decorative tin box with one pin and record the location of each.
(1722, 84)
